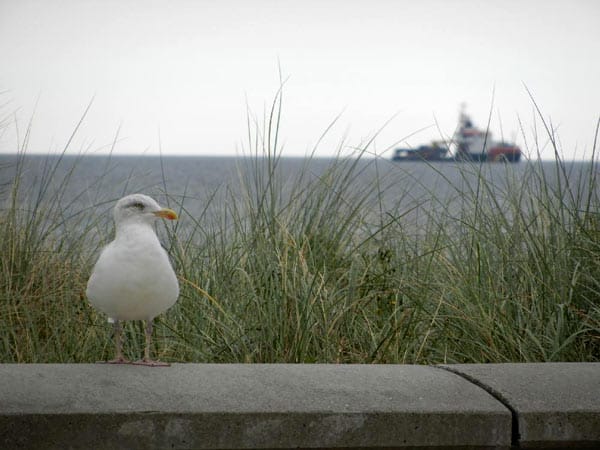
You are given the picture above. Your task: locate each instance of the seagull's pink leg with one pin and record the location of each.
(146, 361)
(119, 358)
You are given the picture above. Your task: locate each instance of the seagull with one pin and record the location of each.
(133, 278)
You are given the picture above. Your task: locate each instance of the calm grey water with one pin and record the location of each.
(406, 190)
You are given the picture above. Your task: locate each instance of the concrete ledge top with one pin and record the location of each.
(247, 406)
(238, 406)
(233, 388)
(553, 402)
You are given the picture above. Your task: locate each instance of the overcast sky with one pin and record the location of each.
(189, 68)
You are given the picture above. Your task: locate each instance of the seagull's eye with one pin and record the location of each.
(137, 205)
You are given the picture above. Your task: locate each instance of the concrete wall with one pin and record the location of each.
(236, 406)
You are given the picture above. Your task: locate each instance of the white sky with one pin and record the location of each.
(189, 67)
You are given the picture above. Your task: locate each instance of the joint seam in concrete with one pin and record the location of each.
(515, 435)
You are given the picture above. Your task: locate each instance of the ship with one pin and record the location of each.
(470, 144)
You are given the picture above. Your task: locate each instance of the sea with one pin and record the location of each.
(206, 187)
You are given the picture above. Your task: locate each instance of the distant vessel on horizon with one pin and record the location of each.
(472, 144)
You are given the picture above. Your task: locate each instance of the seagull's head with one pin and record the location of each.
(139, 208)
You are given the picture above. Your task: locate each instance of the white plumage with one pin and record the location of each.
(133, 278)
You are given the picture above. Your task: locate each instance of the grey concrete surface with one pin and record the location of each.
(246, 406)
(556, 404)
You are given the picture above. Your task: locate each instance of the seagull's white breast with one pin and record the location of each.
(133, 278)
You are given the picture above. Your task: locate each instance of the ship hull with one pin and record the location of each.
(507, 155)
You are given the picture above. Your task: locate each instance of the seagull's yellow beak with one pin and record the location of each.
(166, 213)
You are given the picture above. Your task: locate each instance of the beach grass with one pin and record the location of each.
(311, 269)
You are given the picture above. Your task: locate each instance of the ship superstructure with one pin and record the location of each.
(473, 144)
